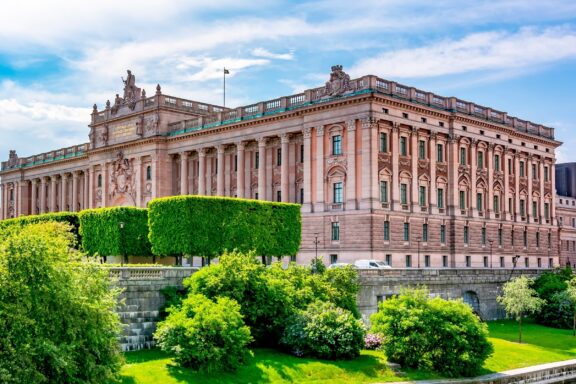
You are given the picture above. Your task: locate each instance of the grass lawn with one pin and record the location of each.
(540, 345)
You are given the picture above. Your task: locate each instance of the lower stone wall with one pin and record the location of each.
(478, 287)
(142, 299)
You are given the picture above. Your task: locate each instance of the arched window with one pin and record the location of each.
(148, 173)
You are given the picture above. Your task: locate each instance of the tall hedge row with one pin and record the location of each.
(102, 235)
(62, 217)
(207, 226)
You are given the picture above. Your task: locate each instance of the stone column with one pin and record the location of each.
(53, 186)
(351, 160)
(17, 198)
(154, 171)
(75, 191)
(433, 195)
(2, 200)
(284, 140)
(85, 203)
(34, 203)
(307, 170)
(184, 173)
(202, 171)
(541, 203)
(240, 169)
(529, 177)
(104, 168)
(395, 187)
(454, 147)
(320, 198)
(369, 164)
(506, 207)
(473, 169)
(552, 176)
(221, 171)
(92, 185)
(43, 195)
(414, 163)
(63, 192)
(262, 168)
(490, 165)
(138, 180)
(517, 187)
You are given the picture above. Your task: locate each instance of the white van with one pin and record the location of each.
(371, 264)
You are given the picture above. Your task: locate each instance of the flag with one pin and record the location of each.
(226, 72)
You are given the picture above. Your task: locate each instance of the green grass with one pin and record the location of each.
(540, 345)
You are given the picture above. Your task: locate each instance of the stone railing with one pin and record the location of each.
(47, 157)
(360, 85)
(125, 274)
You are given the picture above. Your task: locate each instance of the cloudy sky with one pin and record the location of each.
(59, 57)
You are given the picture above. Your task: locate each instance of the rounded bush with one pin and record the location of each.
(372, 341)
(432, 334)
(324, 331)
(205, 335)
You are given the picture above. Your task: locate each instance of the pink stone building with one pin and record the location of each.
(382, 170)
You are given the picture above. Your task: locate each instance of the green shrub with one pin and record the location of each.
(70, 218)
(207, 226)
(57, 316)
(324, 331)
(205, 335)
(557, 311)
(432, 334)
(102, 235)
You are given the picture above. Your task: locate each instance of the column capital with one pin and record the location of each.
(202, 152)
(368, 122)
(75, 174)
(320, 130)
(240, 145)
(351, 125)
(221, 148)
(262, 141)
(284, 138)
(307, 132)
(184, 155)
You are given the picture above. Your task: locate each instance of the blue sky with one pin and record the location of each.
(59, 57)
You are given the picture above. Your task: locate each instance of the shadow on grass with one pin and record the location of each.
(144, 356)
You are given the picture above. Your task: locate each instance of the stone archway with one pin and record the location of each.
(471, 298)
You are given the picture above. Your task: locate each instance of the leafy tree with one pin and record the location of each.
(551, 287)
(571, 293)
(325, 331)
(206, 335)
(432, 334)
(57, 318)
(519, 299)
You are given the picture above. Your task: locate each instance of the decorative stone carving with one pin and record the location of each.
(384, 161)
(307, 132)
(151, 124)
(121, 178)
(441, 170)
(12, 159)
(338, 84)
(336, 160)
(102, 138)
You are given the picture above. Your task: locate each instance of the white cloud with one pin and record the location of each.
(475, 52)
(213, 68)
(262, 52)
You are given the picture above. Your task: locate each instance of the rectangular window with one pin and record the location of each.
(539, 262)
(333, 259)
(257, 160)
(521, 169)
(510, 206)
(427, 261)
(534, 173)
(301, 153)
(445, 261)
(526, 262)
(403, 148)
(279, 157)
(468, 261)
(550, 263)
(403, 194)
(462, 200)
(338, 193)
(485, 259)
(389, 260)
(509, 166)
(425, 233)
(525, 238)
(483, 236)
(440, 197)
(422, 196)
(235, 163)
(442, 234)
(480, 159)
(497, 163)
(500, 237)
(406, 231)
(512, 235)
(534, 209)
(408, 261)
(479, 201)
(545, 173)
(337, 145)
(502, 262)
(421, 149)
(383, 191)
(522, 208)
(546, 211)
(496, 201)
(279, 196)
(462, 156)
(386, 231)
(383, 142)
(538, 239)
(440, 153)
(216, 165)
(335, 231)
(466, 235)
(301, 195)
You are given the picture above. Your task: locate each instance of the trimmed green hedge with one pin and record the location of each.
(100, 230)
(207, 226)
(61, 217)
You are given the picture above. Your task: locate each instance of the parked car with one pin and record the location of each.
(371, 264)
(340, 265)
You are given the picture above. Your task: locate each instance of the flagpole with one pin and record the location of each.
(224, 104)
